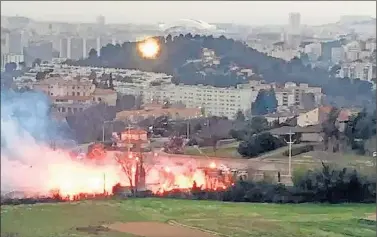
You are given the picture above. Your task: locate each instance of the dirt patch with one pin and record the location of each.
(155, 229)
(93, 229)
(371, 216)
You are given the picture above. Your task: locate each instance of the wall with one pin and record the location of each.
(308, 118)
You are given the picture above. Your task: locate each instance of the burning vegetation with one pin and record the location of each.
(98, 172)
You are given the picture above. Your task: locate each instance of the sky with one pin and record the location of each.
(241, 12)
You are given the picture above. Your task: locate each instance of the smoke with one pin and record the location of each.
(28, 163)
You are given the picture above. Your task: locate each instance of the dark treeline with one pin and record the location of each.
(176, 52)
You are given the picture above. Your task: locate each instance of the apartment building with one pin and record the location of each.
(313, 50)
(65, 105)
(11, 58)
(63, 47)
(337, 55)
(156, 110)
(361, 70)
(76, 48)
(291, 94)
(56, 86)
(39, 49)
(215, 101)
(70, 96)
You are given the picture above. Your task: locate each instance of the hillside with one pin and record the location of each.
(177, 51)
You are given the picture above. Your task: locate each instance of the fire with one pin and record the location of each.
(73, 177)
(212, 165)
(149, 48)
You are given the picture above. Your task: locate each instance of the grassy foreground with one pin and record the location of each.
(231, 219)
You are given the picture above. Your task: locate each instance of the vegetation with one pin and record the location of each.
(265, 103)
(259, 144)
(232, 219)
(357, 131)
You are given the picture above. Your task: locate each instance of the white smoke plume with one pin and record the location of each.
(29, 164)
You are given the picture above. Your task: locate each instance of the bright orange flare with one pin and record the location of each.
(149, 48)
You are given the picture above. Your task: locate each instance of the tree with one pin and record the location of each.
(111, 83)
(93, 54)
(41, 75)
(128, 167)
(10, 67)
(265, 103)
(330, 128)
(197, 127)
(258, 124)
(36, 62)
(359, 129)
(240, 116)
(258, 144)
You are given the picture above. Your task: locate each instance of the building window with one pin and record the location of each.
(73, 93)
(63, 110)
(78, 93)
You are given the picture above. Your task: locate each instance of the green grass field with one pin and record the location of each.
(226, 152)
(230, 219)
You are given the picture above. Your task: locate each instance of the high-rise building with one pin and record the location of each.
(102, 42)
(41, 49)
(63, 49)
(76, 48)
(13, 41)
(294, 23)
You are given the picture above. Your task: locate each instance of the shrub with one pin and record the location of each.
(258, 144)
(299, 150)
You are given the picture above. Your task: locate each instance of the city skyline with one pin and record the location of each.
(253, 13)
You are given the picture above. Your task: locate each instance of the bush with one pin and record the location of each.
(326, 185)
(258, 144)
(299, 150)
(297, 175)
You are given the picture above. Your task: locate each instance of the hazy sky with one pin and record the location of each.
(254, 13)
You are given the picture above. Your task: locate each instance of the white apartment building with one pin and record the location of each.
(314, 50)
(215, 101)
(337, 55)
(11, 58)
(291, 94)
(370, 45)
(361, 70)
(352, 51)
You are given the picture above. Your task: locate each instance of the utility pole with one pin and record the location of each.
(290, 142)
(104, 183)
(129, 139)
(188, 130)
(103, 129)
